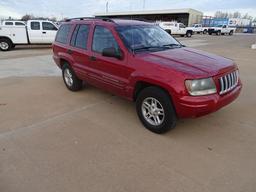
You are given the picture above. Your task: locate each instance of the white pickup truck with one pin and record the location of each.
(198, 28)
(175, 28)
(221, 30)
(34, 32)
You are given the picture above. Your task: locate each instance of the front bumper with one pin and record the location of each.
(191, 106)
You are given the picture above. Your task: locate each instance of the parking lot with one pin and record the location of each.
(53, 140)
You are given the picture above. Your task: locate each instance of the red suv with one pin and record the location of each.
(143, 63)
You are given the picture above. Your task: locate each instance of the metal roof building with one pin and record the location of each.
(186, 16)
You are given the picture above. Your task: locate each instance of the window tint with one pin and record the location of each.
(35, 25)
(102, 39)
(49, 26)
(62, 35)
(8, 23)
(19, 23)
(80, 36)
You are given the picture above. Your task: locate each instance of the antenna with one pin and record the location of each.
(107, 6)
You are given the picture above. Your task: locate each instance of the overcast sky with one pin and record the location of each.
(76, 8)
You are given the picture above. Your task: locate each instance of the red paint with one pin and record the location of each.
(167, 69)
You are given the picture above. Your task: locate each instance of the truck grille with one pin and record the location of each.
(228, 82)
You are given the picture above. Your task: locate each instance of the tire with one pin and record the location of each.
(70, 79)
(210, 33)
(182, 35)
(5, 44)
(169, 31)
(205, 31)
(153, 102)
(189, 34)
(218, 33)
(231, 33)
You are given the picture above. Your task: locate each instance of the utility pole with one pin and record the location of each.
(107, 7)
(144, 4)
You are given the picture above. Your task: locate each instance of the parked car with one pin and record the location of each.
(198, 28)
(35, 32)
(141, 62)
(174, 28)
(221, 30)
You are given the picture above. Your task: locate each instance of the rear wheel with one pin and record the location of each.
(155, 110)
(70, 79)
(168, 31)
(218, 33)
(231, 33)
(189, 34)
(5, 44)
(205, 31)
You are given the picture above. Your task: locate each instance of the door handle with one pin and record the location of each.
(69, 51)
(44, 32)
(92, 58)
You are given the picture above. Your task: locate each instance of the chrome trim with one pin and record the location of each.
(228, 82)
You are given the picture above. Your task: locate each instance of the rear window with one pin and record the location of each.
(8, 23)
(35, 25)
(62, 35)
(19, 23)
(80, 36)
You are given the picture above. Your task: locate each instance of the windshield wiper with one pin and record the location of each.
(172, 45)
(148, 48)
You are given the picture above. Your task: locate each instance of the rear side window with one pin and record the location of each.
(19, 23)
(103, 38)
(49, 26)
(62, 35)
(35, 25)
(8, 23)
(80, 36)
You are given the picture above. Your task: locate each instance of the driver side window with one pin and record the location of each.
(102, 39)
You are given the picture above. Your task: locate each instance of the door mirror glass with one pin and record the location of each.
(112, 52)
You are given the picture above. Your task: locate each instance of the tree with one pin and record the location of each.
(27, 17)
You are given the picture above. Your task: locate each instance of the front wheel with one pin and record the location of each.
(231, 33)
(70, 79)
(155, 110)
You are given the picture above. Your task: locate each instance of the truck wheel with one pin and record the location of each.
(231, 33)
(210, 33)
(168, 31)
(155, 110)
(205, 31)
(218, 33)
(189, 34)
(5, 44)
(70, 79)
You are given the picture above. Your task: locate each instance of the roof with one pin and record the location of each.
(109, 20)
(150, 12)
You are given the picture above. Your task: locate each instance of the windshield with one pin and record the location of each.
(146, 38)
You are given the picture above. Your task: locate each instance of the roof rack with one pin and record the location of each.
(88, 18)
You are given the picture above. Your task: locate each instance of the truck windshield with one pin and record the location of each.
(140, 38)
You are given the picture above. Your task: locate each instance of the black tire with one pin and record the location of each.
(189, 34)
(168, 31)
(210, 33)
(231, 33)
(169, 118)
(218, 33)
(74, 85)
(182, 35)
(205, 31)
(5, 44)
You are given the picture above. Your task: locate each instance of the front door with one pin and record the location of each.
(109, 73)
(49, 32)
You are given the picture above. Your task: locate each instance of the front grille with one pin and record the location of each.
(228, 82)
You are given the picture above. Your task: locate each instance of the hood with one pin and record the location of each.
(191, 61)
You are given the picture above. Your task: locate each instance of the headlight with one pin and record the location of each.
(201, 87)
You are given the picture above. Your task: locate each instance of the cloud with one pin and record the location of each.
(6, 12)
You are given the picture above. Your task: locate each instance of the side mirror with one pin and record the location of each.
(112, 52)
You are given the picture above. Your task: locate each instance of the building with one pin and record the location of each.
(186, 16)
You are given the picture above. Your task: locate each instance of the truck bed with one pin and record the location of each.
(17, 34)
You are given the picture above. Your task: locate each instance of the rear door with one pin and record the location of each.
(35, 32)
(79, 51)
(49, 31)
